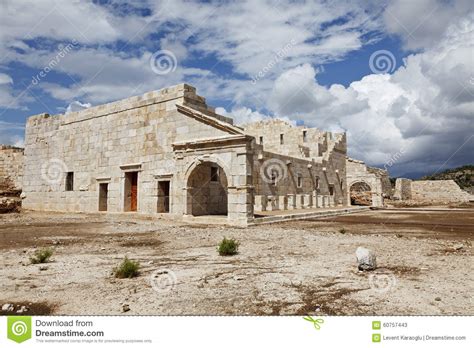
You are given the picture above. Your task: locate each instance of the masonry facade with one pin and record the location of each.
(11, 168)
(168, 152)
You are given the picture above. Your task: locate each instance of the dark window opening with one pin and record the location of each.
(305, 137)
(300, 181)
(163, 196)
(70, 181)
(103, 196)
(281, 139)
(316, 182)
(331, 190)
(214, 174)
(261, 140)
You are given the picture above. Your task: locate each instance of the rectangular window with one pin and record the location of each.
(331, 190)
(214, 174)
(281, 139)
(300, 181)
(261, 140)
(103, 196)
(316, 182)
(70, 181)
(164, 196)
(305, 137)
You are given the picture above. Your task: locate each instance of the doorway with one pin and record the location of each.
(103, 196)
(360, 194)
(163, 197)
(131, 191)
(207, 190)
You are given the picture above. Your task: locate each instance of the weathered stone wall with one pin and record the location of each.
(402, 189)
(102, 144)
(279, 136)
(300, 183)
(11, 168)
(438, 191)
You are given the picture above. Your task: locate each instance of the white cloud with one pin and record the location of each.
(425, 109)
(7, 96)
(5, 79)
(244, 115)
(422, 22)
(11, 133)
(77, 106)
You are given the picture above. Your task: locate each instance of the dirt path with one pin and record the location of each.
(425, 265)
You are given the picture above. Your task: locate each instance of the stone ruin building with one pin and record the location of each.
(168, 153)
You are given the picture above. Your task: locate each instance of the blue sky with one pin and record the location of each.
(397, 76)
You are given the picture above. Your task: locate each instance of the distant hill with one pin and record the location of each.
(463, 176)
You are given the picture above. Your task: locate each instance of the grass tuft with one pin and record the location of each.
(228, 247)
(41, 256)
(127, 269)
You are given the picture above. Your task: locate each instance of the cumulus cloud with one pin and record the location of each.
(422, 22)
(11, 133)
(422, 114)
(244, 115)
(7, 96)
(77, 106)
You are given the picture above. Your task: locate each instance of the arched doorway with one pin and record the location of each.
(361, 194)
(207, 190)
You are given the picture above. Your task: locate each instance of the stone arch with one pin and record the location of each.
(360, 193)
(207, 183)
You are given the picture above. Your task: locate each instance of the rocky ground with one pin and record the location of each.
(424, 264)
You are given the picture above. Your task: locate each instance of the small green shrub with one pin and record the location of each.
(228, 247)
(41, 256)
(342, 230)
(127, 269)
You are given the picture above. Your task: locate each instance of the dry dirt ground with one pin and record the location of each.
(425, 265)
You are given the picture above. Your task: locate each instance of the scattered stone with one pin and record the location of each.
(366, 259)
(239, 277)
(458, 246)
(437, 298)
(22, 309)
(6, 307)
(43, 268)
(125, 308)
